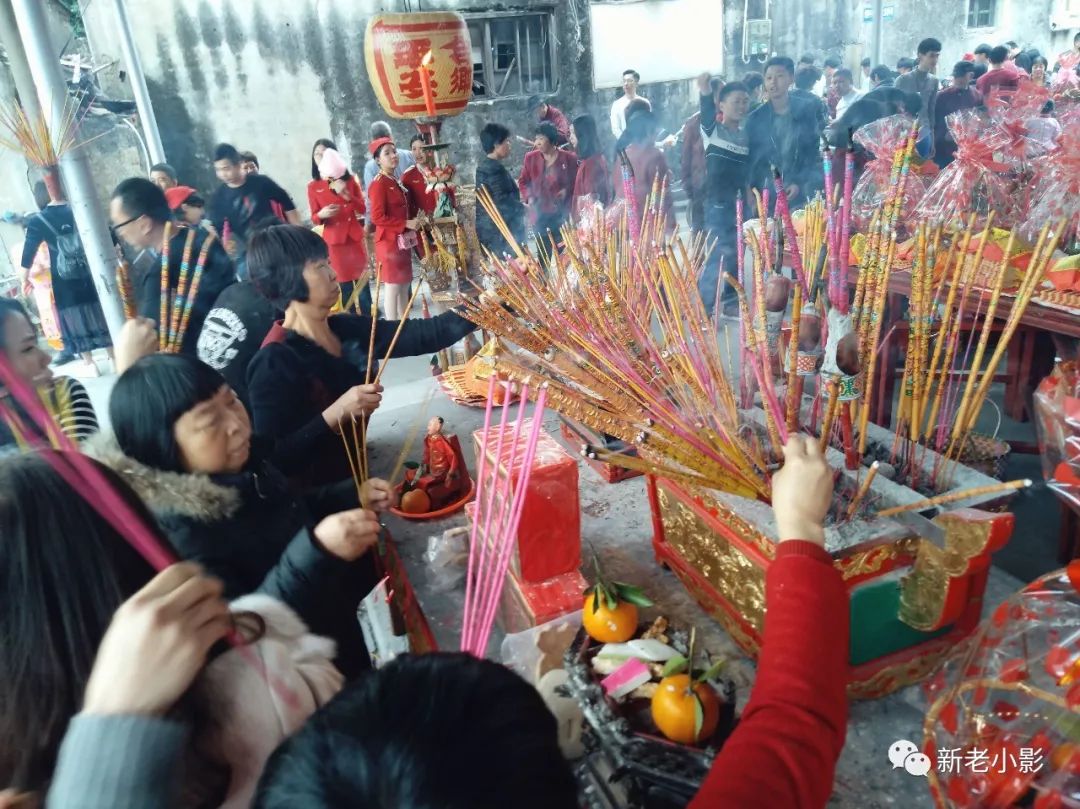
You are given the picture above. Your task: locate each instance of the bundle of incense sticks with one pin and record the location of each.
(88, 481)
(618, 330)
(499, 504)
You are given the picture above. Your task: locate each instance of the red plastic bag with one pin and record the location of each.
(975, 181)
(883, 138)
(1057, 417)
(1055, 190)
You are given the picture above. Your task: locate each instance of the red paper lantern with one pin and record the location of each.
(419, 63)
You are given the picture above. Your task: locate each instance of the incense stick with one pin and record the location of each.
(952, 497)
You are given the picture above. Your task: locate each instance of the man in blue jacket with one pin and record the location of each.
(785, 132)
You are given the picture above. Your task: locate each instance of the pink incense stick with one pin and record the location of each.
(485, 573)
(783, 216)
(515, 519)
(845, 231)
(87, 481)
(480, 464)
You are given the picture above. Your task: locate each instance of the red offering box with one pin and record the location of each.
(548, 541)
(528, 604)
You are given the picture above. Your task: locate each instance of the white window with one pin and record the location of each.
(981, 13)
(513, 54)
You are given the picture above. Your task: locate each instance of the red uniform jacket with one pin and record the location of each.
(422, 199)
(784, 750)
(344, 226)
(593, 178)
(542, 186)
(391, 204)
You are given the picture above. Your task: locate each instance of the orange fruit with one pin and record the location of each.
(1066, 756)
(609, 625)
(674, 710)
(415, 502)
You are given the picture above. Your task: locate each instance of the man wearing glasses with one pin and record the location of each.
(139, 214)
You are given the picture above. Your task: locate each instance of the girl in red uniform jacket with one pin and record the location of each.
(395, 231)
(648, 164)
(337, 203)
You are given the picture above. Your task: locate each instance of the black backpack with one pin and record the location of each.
(71, 261)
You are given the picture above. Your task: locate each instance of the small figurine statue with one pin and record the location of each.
(442, 475)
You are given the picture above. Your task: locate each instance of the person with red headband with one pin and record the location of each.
(395, 232)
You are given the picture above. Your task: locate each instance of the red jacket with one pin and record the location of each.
(542, 186)
(344, 226)
(391, 204)
(648, 162)
(784, 750)
(693, 156)
(593, 179)
(422, 199)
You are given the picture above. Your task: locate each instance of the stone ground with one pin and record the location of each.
(616, 521)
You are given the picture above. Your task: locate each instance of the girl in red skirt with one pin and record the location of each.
(337, 203)
(395, 232)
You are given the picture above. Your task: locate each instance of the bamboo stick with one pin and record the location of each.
(952, 497)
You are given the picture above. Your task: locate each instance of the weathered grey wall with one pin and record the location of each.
(273, 75)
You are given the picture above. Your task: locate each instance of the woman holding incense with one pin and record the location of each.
(182, 440)
(75, 587)
(395, 230)
(547, 182)
(316, 372)
(65, 398)
(647, 164)
(593, 181)
(337, 203)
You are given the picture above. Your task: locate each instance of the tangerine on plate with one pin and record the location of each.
(674, 709)
(608, 625)
(415, 502)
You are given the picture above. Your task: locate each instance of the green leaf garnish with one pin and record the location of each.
(712, 671)
(699, 716)
(676, 665)
(632, 594)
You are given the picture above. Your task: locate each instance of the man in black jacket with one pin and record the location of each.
(139, 215)
(784, 133)
(492, 175)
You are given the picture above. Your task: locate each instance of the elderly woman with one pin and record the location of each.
(310, 376)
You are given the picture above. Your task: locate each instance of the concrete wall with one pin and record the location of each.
(273, 75)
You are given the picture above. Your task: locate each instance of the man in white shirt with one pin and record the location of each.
(843, 85)
(630, 79)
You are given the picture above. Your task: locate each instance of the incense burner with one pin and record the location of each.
(911, 599)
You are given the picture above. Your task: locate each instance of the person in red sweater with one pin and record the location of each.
(337, 203)
(646, 162)
(1002, 77)
(547, 181)
(784, 750)
(593, 182)
(692, 163)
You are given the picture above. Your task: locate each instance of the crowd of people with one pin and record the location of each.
(237, 674)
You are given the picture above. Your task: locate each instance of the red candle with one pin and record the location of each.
(425, 83)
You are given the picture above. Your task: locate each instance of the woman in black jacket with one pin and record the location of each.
(183, 443)
(309, 378)
(492, 176)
